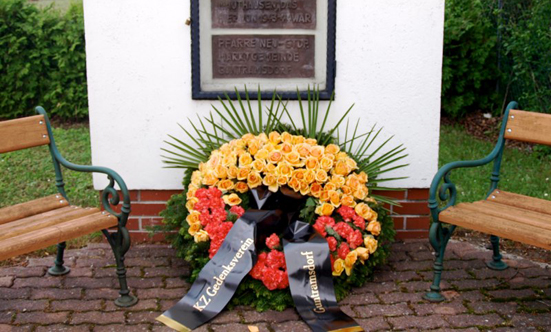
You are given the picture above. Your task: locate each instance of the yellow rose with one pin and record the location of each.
(364, 211)
(362, 177)
(191, 203)
(349, 261)
(341, 156)
(370, 243)
(341, 168)
(348, 200)
(338, 180)
(353, 181)
(253, 179)
(311, 162)
(363, 253)
(254, 146)
(196, 178)
(268, 148)
(193, 217)
(338, 267)
(329, 186)
(325, 209)
(275, 156)
(293, 158)
(229, 160)
(346, 190)
(261, 154)
(298, 139)
(270, 180)
(309, 176)
(299, 174)
(210, 179)
(311, 141)
(374, 227)
(231, 199)
(271, 168)
(245, 159)
(247, 137)
(282, 180)
(303, 149)
(263, 137)
(243, 172)
(321, 175)
(194, 228)
(191, 193)
(232, 172)
(316, 189)
(225, 185)
(304, 188)
(294, 183)
(283, 168)
(286, 137)
(201, 236)
(326, 163)
(361, 192)
(274, 137)
(332, 149)
(324, 196)
(352, 163)
(241, 187)
(317, 151)
(259, 165)
(334, 198)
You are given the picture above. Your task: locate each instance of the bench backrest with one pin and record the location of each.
(23, 133)
(529, 127)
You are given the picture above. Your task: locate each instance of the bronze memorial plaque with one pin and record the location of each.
(264, 56)
(264, 14)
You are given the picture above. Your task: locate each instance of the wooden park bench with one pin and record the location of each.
(43, 222)
(502, 214)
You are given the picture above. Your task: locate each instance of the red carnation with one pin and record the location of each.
(321, 222)
(273, 241)
(258, 269)
(275, 259)
(346, 212)
(237, 210)
(332, 262)
(343, 229)
(355, 239)
(343, 250)
(332, 243)
(359, 222)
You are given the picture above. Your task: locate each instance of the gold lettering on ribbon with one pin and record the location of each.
(211, 292)
(313, 280)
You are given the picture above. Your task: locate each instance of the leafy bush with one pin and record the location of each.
(43, 61)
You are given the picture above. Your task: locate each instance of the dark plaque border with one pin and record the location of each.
(197, 93)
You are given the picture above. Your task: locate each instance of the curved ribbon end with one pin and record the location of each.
(172, 324)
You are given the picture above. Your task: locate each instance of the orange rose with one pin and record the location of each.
(298, 139)
(254, 146)
(361, 192)
(311, 163)
(232, 172)
(241, 187)
(311, 141)
(346, 190)
(286, 137)
(293, 158)
(304, 188)
(231, 199)
(352, 163)
(194, 228)
(325, 196)
(362, 177)
(341, 156)
(262, 154)
(348, 200)
(335, 198)
(364, 211)
(253, 179)
(363, 253)
(349, 261)
(191, 192)
(332, 149)
(243, 172)
(326, 163)
(286, 148)
(229, 160)
(270, 168)
(370, 243)
(342, 168)
(247, 137)
(282, 180)
(303, 149)
(284, 169)
(316, 189)
(299, 174)
(353, 181)
(325, 209)
(225, 185)
(329, 186)
(374, 227)
(210, 179)
(245, 159)
(309, 176)
(338, 180)
(321, 175)
(275, 156)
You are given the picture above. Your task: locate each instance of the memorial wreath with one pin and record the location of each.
(315, 180)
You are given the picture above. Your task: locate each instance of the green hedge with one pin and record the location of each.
(42, 61)
(496, 51)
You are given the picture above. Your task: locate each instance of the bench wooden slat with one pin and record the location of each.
(512, 213)
(508, 229)
(27, 225)
(529, 127)
(32, 208)
(23, 133)
(521, 201)
(51, 235)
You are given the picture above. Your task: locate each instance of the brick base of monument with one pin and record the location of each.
(411, 219)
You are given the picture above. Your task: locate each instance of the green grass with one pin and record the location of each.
(29, 174)
(522, 172)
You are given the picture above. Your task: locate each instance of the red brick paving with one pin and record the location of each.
(479, 299)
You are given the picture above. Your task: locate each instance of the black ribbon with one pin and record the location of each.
(309, 269)
(220, 277)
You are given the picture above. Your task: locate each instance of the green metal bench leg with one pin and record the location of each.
(59, 269)
(439, 237)
(120, 243)
(496, 263)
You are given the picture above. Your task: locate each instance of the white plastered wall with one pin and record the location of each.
(389, 60)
